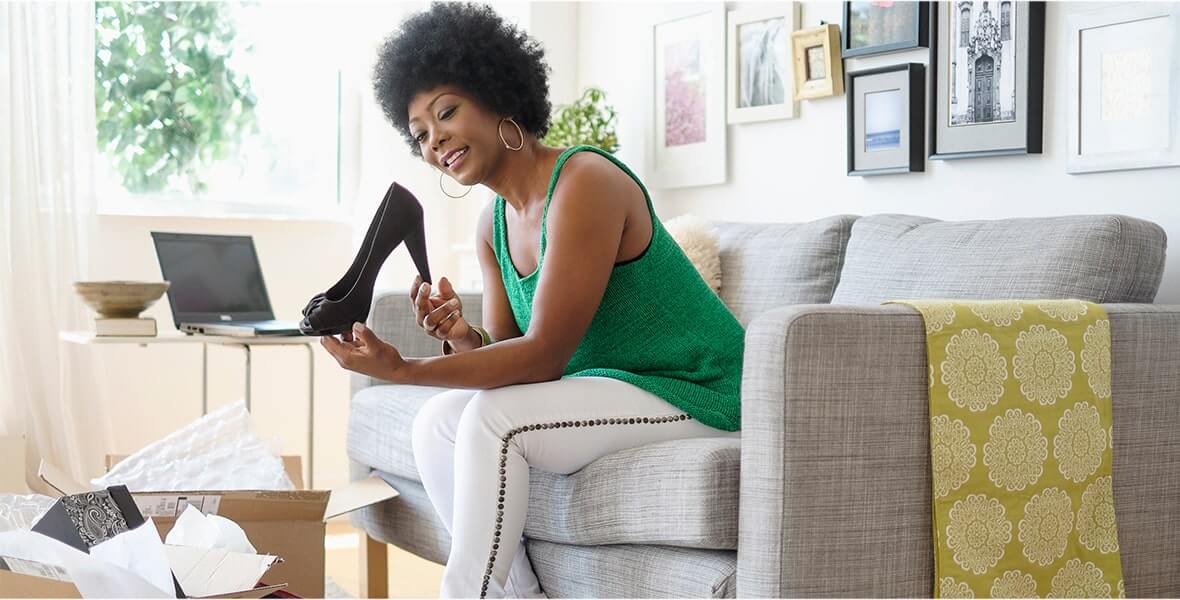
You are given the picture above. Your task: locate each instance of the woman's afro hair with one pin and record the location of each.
(471, 47)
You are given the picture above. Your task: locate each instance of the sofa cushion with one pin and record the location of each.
(767, 265)
(678, 492)
(1100, 258)
(630, 571)
(380, 423)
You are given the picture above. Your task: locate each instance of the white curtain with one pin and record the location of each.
(50, 391)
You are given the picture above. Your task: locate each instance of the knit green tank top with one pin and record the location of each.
(680, 343)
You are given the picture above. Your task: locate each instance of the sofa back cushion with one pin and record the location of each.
(767, 265)
(1100, 258)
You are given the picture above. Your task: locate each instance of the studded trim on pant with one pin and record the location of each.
(487, 576)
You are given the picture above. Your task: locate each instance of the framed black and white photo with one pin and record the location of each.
(689, 112)
(886, 116)
(1124, 83)
(882, 26)
(761, 73)
(987, 62)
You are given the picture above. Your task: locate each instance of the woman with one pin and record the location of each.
(600, 336)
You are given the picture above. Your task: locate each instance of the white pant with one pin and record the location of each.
(474, 448)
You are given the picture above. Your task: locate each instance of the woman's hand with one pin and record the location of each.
(441, 315)
(360, 350)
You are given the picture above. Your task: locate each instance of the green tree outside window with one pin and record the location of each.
(168, 102)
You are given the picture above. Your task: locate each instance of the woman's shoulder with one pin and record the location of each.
(586, 167)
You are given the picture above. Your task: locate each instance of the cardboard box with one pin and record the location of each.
(29, 579)
(288, 524)
(83, 521)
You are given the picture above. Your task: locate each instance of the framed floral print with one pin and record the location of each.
(689, 113)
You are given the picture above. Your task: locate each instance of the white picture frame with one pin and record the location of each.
(690, 141)
(1124, 81)
(760, 63)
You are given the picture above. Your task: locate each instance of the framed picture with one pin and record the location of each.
(690, 100)
(819, 72)
(886, 114)
(1124, 83)
(882, 26)
(988, 76)
(761, 71)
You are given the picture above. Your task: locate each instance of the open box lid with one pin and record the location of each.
(71, 541)
(244, 505)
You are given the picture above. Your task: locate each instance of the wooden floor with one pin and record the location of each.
(409, 575)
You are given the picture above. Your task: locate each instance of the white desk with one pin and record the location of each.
(88, 337)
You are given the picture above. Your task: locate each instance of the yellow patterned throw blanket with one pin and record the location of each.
(1020, 449)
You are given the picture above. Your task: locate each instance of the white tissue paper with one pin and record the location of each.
(93, 574)
(22, 511)
(194, 528)
(216, 452)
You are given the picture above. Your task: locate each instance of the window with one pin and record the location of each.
(1005, 21)
(965, 27)
(215, 107)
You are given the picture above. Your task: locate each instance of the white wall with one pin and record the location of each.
(794, 170)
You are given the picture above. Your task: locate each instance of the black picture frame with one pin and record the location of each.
(1035, 84)
(920, 40)
(917, 119)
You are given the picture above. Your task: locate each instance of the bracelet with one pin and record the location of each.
(483, 335)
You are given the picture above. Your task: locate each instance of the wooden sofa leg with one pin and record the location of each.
(374, 566)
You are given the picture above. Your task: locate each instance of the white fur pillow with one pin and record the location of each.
(701, 243)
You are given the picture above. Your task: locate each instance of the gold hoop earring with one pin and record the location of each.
(518, 131)
(440, 186)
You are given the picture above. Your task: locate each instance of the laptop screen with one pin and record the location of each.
(214, 278)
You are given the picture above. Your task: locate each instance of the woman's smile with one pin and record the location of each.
(457, 160)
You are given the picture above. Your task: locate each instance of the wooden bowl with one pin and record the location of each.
(120, 299)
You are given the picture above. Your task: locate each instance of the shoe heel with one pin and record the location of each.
(416, 244)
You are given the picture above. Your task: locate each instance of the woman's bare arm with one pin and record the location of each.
(585, 223)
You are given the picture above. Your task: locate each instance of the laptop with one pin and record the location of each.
(216, 285)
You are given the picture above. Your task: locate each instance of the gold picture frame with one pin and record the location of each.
(817, 49)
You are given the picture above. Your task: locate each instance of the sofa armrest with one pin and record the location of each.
(835, 487)
(392, 319)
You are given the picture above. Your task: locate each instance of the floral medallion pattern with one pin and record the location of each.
(1078, 580)
(1080, 442)
(978, 532)
(941, 314)
(1044, 364)
(1014, 584)
(1096, 357)
(1015, 451)
(1000, 314)
(1024, 388)
(952, 454)
(1063, 310)
(974, 370)
(1096, 526)
(949, 588)
(1045, 528)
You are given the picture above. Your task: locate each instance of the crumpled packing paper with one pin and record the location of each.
(194, 528)
(130, 565)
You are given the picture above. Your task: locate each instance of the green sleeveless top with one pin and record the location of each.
(681, 344)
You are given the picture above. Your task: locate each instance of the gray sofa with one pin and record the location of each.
(833, 497)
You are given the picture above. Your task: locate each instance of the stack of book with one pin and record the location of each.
(142, 326)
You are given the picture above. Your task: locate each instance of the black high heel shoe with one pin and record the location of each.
(398, 218)
(349, 279)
